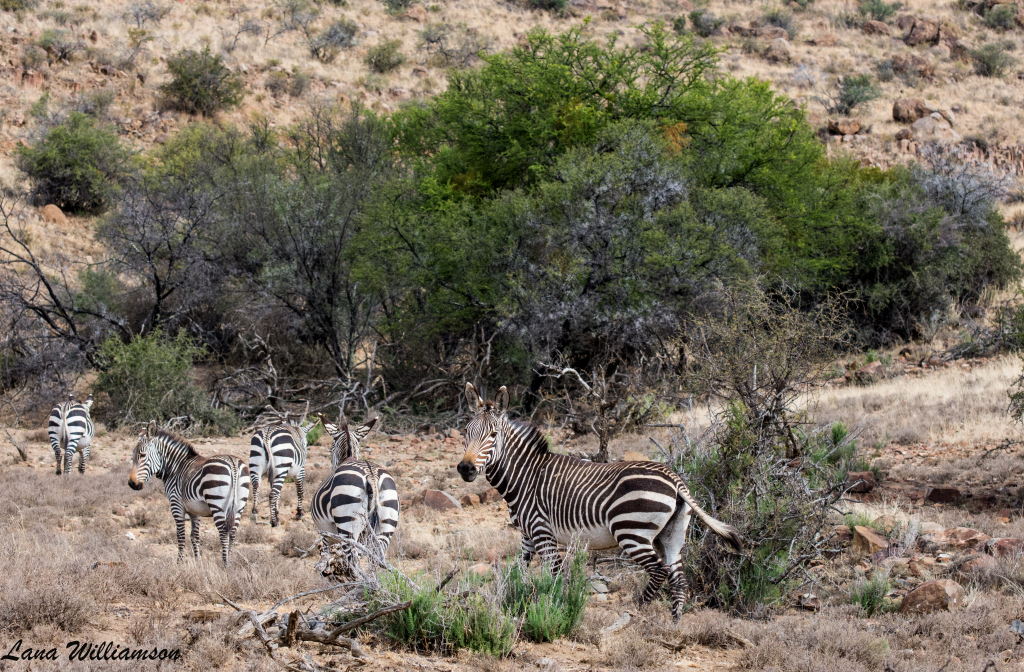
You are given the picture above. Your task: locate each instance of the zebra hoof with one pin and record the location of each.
(298, 515)
(273, 523)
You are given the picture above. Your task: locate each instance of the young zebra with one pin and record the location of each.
(195, 486)
(359, 497)
(278, 451)
(642, 507)
(70, 429)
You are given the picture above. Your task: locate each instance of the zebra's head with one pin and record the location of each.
(346, 439)
(147, 460)
(484, 432)
(88, 402)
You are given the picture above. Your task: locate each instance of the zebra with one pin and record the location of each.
(359, 497)
(195, 486)
(70, 429)
(278, 450)
(643, 508)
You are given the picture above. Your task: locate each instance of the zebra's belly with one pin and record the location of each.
(595, 538)
(198, 508)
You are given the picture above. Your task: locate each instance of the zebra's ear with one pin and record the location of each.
(362, 431)
(501, 401)
(331, 428)
(88, 401)
(473, 397)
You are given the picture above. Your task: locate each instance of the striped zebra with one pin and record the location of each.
(70, 429)
(643, 508)
(195, 486)
(359, 498)
(278, 451)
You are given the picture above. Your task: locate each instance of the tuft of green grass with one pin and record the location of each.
(550, 603)
(870, 594)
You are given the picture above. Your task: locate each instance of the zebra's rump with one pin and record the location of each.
(70, 422)
(358, 493)
(219, 485)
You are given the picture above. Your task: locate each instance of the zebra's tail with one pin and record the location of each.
(230, 511)
(725, 531)
(373, 499)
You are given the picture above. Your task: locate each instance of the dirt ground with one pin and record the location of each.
(86, 558)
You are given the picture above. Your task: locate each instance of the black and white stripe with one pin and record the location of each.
(359, 501)
(71, 429)
(279, 451)
(643, 508)
(195, 486)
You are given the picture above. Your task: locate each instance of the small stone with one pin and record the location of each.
(129, 536)
(1002, 547)
(440, 500)
(203, 615)
(860, 481)
(845, 127)
(51, 213)
(490, 495)
(873, 27)
(868, 541)
(937, 595)
(599, 586)
(620, 622)
(943, 495)
(469, 500)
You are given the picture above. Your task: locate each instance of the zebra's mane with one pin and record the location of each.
(172, 440)
(532, 435)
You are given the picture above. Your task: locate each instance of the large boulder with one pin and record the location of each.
(868, 541)
(909, 110)
(844, 127)
(922, 31)
(954, 538)
(873, 27)
(860, 481)
(1002, 547)
(921, 128)
(937, 595)
(440, 500)
(779, 51)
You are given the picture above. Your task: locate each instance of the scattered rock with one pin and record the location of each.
(779, 50)
(977, 564)
(440, 500)
(860, 481)
(846, 127)
(620, 622)
(904, 134)
(921, 567)
(937, 595)
(868, 541)
(480, 569)
(771, 33)
(873, 27)
(203, 615)
(1002, 547)
(868, 373)
(489, 495)
(909, 110)
(941, 495)
(51, 213)
(129, 536)
(824, 40)
(469, 500)
(954, 537)
(809, 601)
(417, 13)
(922, 31)
(843, 533)
(914, 65)
(599, 586)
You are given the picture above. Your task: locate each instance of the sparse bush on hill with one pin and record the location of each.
(852, 92)
(548, 5)
(705, 23)
(201, 83)
(993, 59)
(385, 56)
(784, 20)
(396, 6)
(326, 45)
(879, 10)
(1001, 17)
(452, 46)
(147, 380)
(77, 164)
(17, 5)
(59, 45)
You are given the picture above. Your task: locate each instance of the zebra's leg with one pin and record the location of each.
(527, 550)
(57, 453)
(642, 552)
(195, 536)
(83, 455)
(69, 455)
(276, 486)
(300, 484)
(672, 540)
(254, 481)
(179, 528)
(547, 547)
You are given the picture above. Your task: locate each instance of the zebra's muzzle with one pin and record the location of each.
(467, 470)
(134, 485)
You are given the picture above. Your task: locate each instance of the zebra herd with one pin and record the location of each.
(643, 508)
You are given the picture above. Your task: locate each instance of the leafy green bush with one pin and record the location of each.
(76, 165)
(1001, 17)
(436, 622)
(871, 594)
(201, 83)
(17, 5)
(993, 59)
(549, 603)
(548, 5)
(339, 35)
(879, 10)
(396, 6)
(148, 379)
(314, 434)
(705, 23)
(854, 91)
(385, 57)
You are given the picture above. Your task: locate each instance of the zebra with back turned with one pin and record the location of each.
(278, 450)
(196, 486)
(359, 498)
(642, 507)
(70, 428)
